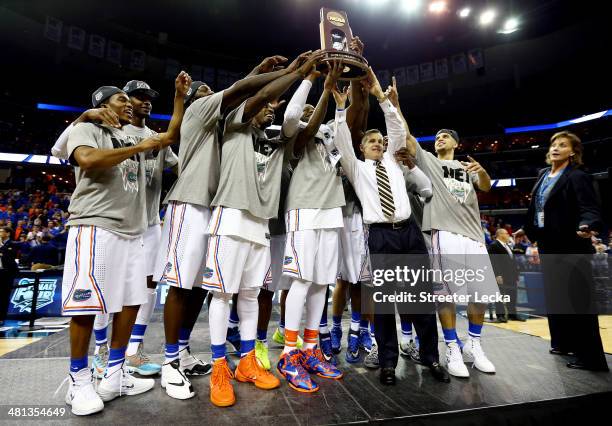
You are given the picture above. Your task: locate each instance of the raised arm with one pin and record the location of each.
(342, 138)
(395, 128)
(242, 89)
(321, 109)
(269, 64)
(357, 98)
(295, 108)
(391, 92)
(90, 158)
(181, 86)
(276, 88)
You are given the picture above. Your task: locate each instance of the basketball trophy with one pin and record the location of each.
(335, 38)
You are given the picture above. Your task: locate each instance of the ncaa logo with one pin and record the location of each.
(168, 267)
(208, 273)
(142, 85)
(98, 96)
(22, 297)
(287, 260)
(81, 295)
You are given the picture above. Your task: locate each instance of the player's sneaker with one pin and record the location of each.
(120, 383)
(175, 382)
(290, 367)
(191, 365)
(221, 389)
(454, 361)
(326, 348)
(336, 339)
(250, 370)
(314, 363)
(352, 350)
(81, 395)
(233, 338)
(279, 338)
(261, 352)
(473, 350)
(100, 362)
(411, 351)
(141, 363)
(365, 340)
(371, 359)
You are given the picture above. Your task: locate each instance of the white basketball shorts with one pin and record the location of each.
(312, 255)
(103, 272)
(151, 239)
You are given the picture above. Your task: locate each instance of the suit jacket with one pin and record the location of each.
(8, 258)
(572, 202)
(503, 263)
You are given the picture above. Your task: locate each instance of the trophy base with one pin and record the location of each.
(355, 66)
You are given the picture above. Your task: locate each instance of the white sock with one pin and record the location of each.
(315, 303)
(294, 307)
(143, 318)
(248, 311)
(101, 324)
(218, 316)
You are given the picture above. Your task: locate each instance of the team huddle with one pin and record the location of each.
(253, 212)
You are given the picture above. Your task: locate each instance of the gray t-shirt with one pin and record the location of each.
(251, 168)
(277, 225)
(315, 183)
(155, 163)
(113, 198)
(454, 205)
(199, 153)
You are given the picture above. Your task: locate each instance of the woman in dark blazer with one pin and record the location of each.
(562, 217)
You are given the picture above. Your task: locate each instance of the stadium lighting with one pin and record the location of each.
(410, 6)
(437, 6)
(465, 12)
(510, 26)
(487, 17)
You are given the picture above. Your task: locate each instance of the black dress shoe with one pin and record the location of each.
(387, 376)
(439, 373)
(517, 317)
(501, 320)
(555, 351)
(579, 365)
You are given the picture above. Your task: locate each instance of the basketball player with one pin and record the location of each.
(104, 265)
(453, 217)
(238, 255)
(314, 215)
(183, 248)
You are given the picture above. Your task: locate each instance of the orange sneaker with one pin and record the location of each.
(221, 389)
(250, 370)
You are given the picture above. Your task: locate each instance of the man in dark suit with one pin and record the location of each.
(506, 273)
(8, 268)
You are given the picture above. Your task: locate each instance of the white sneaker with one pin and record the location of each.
(192, 366)
(81, 394)
(454, 361)
(473, 349)
(120, 383)
(175, 382)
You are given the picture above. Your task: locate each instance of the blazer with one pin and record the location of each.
(572, 202)
(8, 258)
(503, 264)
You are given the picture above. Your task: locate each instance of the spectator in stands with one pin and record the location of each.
(44, 255)
(8, 268)
(563, 216)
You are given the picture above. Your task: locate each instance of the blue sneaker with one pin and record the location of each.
(352, 351)
(233, 338)
(314, 363)
(326, 348)
(141, 363)
(290, 367)
(336, 339)
(365, 340)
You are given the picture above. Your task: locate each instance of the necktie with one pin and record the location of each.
(384, 190)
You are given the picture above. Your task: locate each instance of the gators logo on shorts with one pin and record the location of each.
(208, 273)
(81, 295)
(288, 260)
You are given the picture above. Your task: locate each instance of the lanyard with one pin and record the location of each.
(542, 190)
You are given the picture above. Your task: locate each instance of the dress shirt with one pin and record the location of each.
(362, 174)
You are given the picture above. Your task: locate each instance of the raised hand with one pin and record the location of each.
(297, 62)
(271, 63)
(182, 83)
(334, 71)
(392, 94)
(472, 166)
(373, 85)
(314, 74)
(402, 155)
(584, 231)
(356, 45)
(340, 97)
(104, 116)
(312, 60)
(277, 104)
